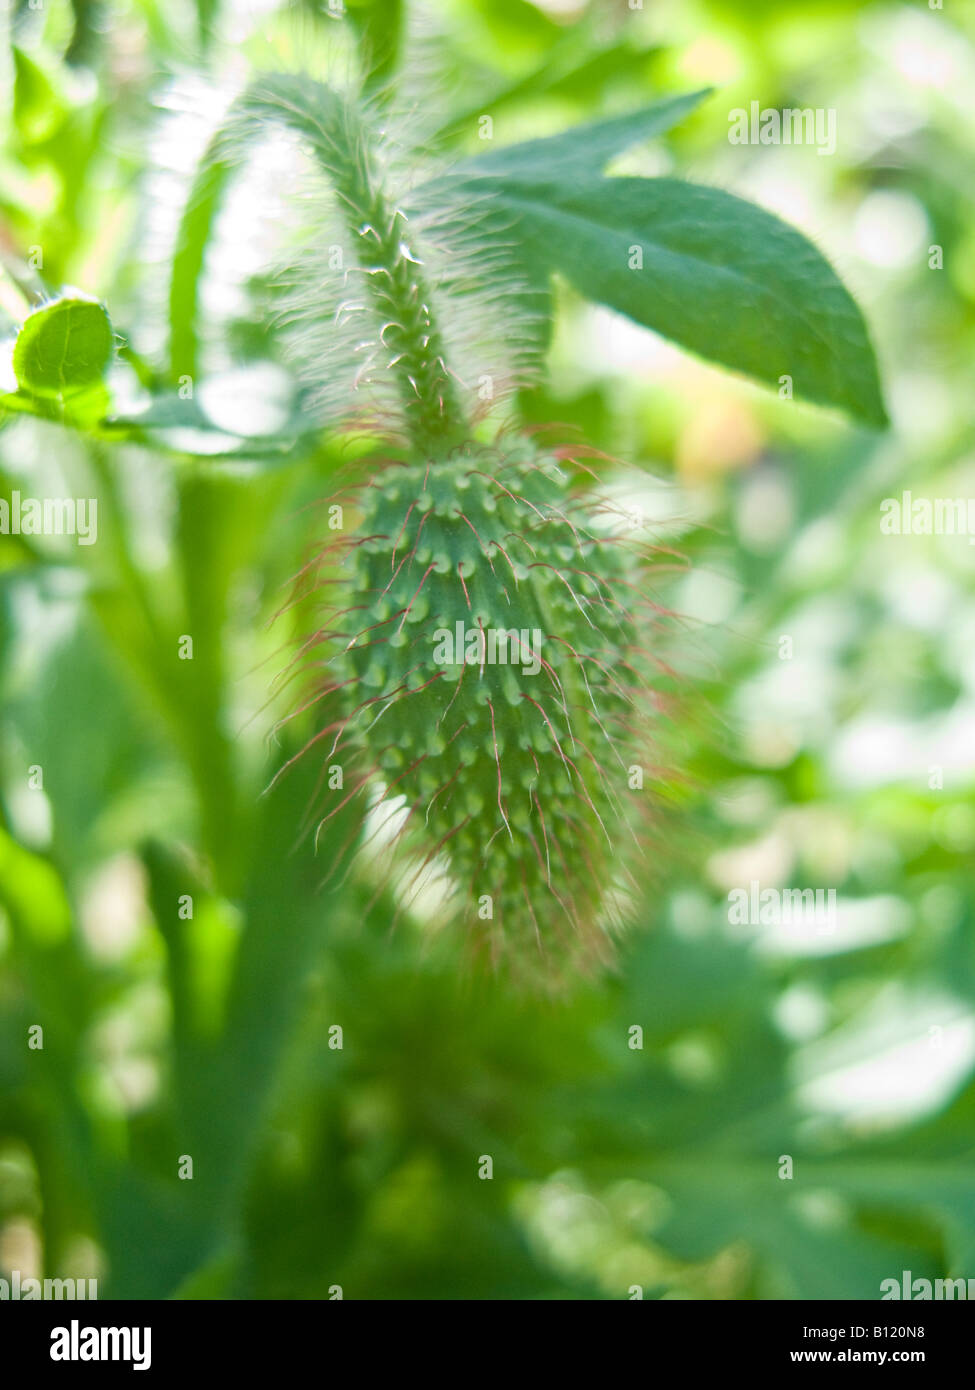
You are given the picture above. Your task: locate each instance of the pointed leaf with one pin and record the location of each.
(716, 274)
(584, 150)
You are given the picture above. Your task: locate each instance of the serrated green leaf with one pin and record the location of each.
(63, 348)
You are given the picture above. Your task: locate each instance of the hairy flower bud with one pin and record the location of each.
(484, 659)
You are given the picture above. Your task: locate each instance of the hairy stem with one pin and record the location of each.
(416, 350)
(397, 290)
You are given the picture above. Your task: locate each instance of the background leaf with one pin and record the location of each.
(63, 348)
(583, 151)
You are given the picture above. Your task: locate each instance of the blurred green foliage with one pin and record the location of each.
(213, 1036)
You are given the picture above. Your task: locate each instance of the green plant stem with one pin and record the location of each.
(395, 284)
(399, 295)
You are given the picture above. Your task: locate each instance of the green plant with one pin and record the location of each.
(162, 921)
(518, 773)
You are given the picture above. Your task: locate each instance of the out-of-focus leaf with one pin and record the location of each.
(64, 347)
(31, 890)
(85, 409)
(583, 151)
(38, 109)
(195, 228)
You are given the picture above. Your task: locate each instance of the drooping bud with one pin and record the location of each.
(484, 659)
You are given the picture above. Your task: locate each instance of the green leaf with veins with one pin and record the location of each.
(63, 348)
(717, 275)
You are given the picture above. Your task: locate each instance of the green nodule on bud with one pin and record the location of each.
(484, 663)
